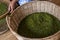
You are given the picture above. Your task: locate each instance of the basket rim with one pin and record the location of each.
(16, 34)
(12, 13)
(48, 37)
(4, 14)
(26, 37)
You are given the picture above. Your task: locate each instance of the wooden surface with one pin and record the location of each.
(7, 36)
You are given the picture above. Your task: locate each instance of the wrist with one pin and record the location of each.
(14, 0)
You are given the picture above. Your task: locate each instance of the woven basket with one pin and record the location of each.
(35, 6)
(3, 15)
(3, 24)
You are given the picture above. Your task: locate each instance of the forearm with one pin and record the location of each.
(15, 0)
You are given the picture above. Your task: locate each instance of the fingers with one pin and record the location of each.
(11, 7)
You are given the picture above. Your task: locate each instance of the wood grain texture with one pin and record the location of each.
(7, 36)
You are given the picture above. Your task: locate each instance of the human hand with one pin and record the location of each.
(11, 6)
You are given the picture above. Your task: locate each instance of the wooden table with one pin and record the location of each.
(7, 36)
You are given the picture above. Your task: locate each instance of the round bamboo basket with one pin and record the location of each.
(3, 26)
(35, 6)
(5, 13)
